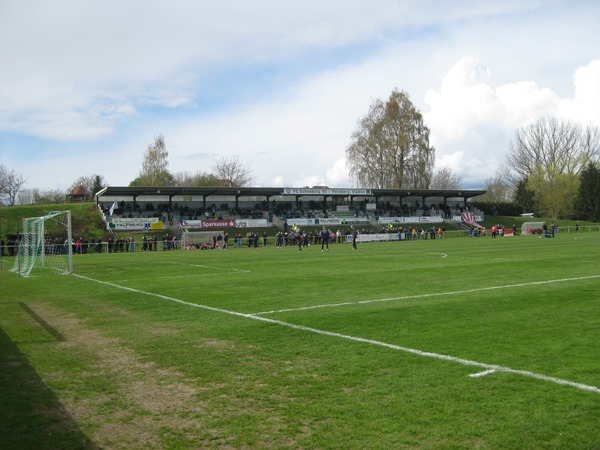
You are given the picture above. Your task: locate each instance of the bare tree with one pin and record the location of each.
(232, 172)
(550, 147)
(497, 190)
(550, 154)
(445, 178)
(390, 146)
(3, 179)
(47, 196)
(10, 183)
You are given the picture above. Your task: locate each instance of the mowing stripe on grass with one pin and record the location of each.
(434, 294)
(465, 362)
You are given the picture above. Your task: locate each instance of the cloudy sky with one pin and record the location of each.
(86, 86)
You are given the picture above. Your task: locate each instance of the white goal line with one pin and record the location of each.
(489, 368)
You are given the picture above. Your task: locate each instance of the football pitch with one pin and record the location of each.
(446, 343)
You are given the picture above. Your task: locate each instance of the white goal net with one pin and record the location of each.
(200, 239)
(46, 244)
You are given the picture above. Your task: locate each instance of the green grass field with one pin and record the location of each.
(455, 343)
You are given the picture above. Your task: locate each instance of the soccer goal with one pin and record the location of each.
(46, 244)
(195, 239)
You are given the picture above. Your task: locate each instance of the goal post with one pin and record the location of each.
(45, 243)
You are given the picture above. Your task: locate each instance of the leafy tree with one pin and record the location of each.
(554, 197)
(497, 208)
(198, 179)
(524, 197)
(390, 147)
(155, 166)
(98, 183)
(587, 204)
(232, 172)
(444, 178)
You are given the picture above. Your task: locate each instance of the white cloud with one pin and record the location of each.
(276, 182)
(463, 101)
(472, 121)
(585, 106)
(338, 174)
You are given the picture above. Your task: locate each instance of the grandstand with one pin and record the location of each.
(178, 208)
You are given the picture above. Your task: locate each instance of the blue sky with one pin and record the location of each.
(85, 87)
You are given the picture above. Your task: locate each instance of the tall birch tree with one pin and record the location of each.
(390, 147)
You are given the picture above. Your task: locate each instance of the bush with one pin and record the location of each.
(499, 209)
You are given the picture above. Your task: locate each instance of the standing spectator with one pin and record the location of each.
(325, 234)
(354, 236)
(545, 228)
(279, 239)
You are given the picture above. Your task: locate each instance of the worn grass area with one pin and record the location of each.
(462, 343)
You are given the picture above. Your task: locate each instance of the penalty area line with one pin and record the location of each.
(202, 266)
(439, 356)
(416, 296)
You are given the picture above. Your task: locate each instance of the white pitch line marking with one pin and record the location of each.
(483, 374)
(465, 362)
(444, 255)
(202, 266)
(434, 294)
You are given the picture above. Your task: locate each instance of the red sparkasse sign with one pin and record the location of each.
(218, 223)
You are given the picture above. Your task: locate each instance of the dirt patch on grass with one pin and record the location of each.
(130, 403)
(216, 344)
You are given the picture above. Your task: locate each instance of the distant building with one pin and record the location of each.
(79, 194)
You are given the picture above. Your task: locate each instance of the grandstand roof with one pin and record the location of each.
(169, 192)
